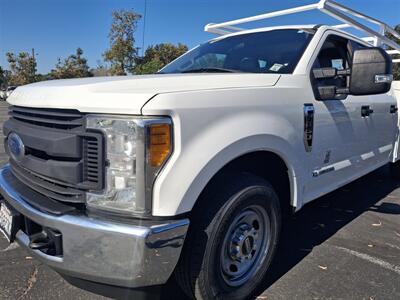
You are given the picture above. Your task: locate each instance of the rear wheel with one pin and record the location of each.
(395, 169)
(233, 236)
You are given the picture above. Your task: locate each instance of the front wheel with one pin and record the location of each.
(232, 240)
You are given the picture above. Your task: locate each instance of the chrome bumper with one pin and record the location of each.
(102, 251)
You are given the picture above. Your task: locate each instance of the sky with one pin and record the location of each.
(55, 28)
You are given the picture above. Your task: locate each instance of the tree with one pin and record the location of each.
(5, 76)
(122, 52)
(156, 57)
(22, 67)
(43, 77)
(2, 78)
(101, 70)
(74, 66)
(396, 67)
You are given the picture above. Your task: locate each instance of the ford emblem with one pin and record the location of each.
(16, 147)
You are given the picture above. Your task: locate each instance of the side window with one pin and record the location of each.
(356, 46)
(210, 60)
(335, 53)
(338, 63)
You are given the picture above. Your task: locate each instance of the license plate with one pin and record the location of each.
(8, 221)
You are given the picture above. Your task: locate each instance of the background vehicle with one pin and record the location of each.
(9, 90)
(125, 181)
(4, 94)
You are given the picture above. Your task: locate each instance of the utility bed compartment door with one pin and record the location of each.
(396, 94)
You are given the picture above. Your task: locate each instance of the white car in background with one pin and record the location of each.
(4, 94)
(9, 90)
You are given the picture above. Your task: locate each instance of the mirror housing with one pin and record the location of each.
(371, 72)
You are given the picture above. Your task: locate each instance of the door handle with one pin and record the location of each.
(366, 111)
(309, 113)
(393, 109)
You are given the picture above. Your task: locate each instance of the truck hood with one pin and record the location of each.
(126, 94)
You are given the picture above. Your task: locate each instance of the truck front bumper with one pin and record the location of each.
(102, 251)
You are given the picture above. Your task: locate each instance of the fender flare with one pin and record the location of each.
(262, 142)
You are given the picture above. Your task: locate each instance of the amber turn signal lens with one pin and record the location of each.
(160, 144)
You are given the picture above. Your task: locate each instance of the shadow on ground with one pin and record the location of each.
(302, 232)
(319, 221)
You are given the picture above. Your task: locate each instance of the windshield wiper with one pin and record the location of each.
(211, 70)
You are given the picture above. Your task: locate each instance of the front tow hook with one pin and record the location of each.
(40, 241)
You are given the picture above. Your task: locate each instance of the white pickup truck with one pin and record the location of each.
(122, 182)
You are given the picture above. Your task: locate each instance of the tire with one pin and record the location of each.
(232, 239)
(395, 169)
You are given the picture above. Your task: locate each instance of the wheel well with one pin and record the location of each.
(267, 165)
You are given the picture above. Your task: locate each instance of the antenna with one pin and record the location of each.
(144, 25)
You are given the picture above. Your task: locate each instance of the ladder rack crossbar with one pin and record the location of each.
(263, 16)
(331, 8)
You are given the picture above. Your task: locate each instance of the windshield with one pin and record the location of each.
(276, 51)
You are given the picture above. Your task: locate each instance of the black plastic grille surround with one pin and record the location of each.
(92, 160)
(47, 187)
(62, 160)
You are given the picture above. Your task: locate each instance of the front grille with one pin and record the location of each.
(62, 160)
(48, 187)
(52, 118)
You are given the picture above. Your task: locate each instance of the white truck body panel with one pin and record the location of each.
(262, 123)
(219, 117)
(125, 94)
(145, 147)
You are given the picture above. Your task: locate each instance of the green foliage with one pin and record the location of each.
(156, 57)
(43, 77)
(396, 67)
(122, 52)
(2, 77)
(101, 70)
(150, 67)
(209, 60)
(74, 66)
(22, 67)
(121, 57)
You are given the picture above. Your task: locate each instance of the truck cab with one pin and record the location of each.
(127, 181)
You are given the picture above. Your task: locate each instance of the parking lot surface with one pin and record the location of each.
(345, 245)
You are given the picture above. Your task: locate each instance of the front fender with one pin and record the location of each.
(209, 135)
(247, 145)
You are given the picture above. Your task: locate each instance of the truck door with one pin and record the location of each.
(343, 139)
(382, 127)
(381, 122)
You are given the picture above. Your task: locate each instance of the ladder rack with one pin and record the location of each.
(338, 11)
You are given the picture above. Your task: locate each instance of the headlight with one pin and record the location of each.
(136, 149)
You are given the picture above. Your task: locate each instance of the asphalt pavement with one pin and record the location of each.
(345, 245)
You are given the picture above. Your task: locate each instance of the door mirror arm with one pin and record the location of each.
(329, 73)
(332, 92)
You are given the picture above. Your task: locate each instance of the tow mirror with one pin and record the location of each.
(371, 72)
